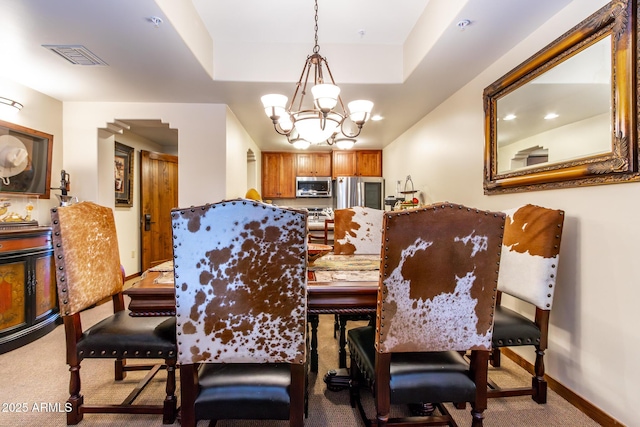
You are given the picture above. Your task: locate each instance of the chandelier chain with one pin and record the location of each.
(316, 48)
(323, 122)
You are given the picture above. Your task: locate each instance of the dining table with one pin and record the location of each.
(337, 285)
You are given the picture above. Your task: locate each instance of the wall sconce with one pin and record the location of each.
(10, 105)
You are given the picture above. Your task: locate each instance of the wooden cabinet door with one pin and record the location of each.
(287, 175)
(304, 164)
(344, 163)
(45, 285)
(270, 175)
(322, 164)
(369, 162)
(278, 175)
(313, 164)
(13, 295)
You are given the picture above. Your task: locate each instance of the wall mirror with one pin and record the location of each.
(566, 117)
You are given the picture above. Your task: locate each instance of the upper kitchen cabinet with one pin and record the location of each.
(278, 175)
(357, 163)
(313, 164)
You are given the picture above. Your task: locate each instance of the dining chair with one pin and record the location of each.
(88, 270)
(528, 272)
(357, 231)
(241, 308)
(324, 237)
(436, 299)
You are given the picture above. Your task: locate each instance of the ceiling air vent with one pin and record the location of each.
(76, 54)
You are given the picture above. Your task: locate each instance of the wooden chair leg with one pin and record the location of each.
(477, 418)
(354, 391)
(314, 321)
(169, 411)
(538, 383)
(342, 342)
(381, 392)
(120, 372)
(74, 416)
(297, 398)
(494, 360)
(188, 392)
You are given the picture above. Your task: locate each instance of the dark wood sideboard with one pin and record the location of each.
(28, 299)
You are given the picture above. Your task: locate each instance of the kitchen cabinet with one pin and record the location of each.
(278, 175)
(313, 164)
(28, 298)
(357, 163)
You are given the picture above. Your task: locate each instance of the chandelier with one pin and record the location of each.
(303, 124)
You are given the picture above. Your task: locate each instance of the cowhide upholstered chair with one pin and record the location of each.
(357, 230)
(241, 299)
(436, 300)
(528, 271)
(88, 270)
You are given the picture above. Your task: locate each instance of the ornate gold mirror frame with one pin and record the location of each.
(615, 22)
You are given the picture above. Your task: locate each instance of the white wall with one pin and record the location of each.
(44, 114)
(201, 145)
(88, 157)
(238, 143)
(594, 339)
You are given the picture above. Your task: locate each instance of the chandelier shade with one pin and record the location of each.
(325, 96)
(301, 144)
(345, 143)
(315, 128)
(324, 120)
(360, 111)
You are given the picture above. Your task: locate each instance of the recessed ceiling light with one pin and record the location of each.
(155, 20)
(376, 118)
(509, 117)
(550, 116)
(463, 24)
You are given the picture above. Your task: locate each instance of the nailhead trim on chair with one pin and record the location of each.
(124, 353)
(519, 341)
(355, 356)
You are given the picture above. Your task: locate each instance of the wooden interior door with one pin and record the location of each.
(158, 195)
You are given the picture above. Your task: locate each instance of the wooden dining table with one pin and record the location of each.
(154, 295)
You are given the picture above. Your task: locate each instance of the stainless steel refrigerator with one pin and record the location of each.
(359, 191)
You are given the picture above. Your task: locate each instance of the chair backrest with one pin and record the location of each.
(438, 283)
(87, 259)
(530, 254)
(240, 275)
(357, 230)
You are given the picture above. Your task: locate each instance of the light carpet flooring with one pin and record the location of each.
(36, 375)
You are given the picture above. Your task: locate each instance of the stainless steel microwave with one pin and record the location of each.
(313, 186)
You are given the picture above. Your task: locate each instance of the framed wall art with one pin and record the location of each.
(25, 161)
(123, 174)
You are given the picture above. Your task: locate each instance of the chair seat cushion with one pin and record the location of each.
(513, 329)
(243, 391)
(122, 335)
(416, 377)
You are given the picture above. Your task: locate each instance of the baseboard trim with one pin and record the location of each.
(590, 410)
(133, 276)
